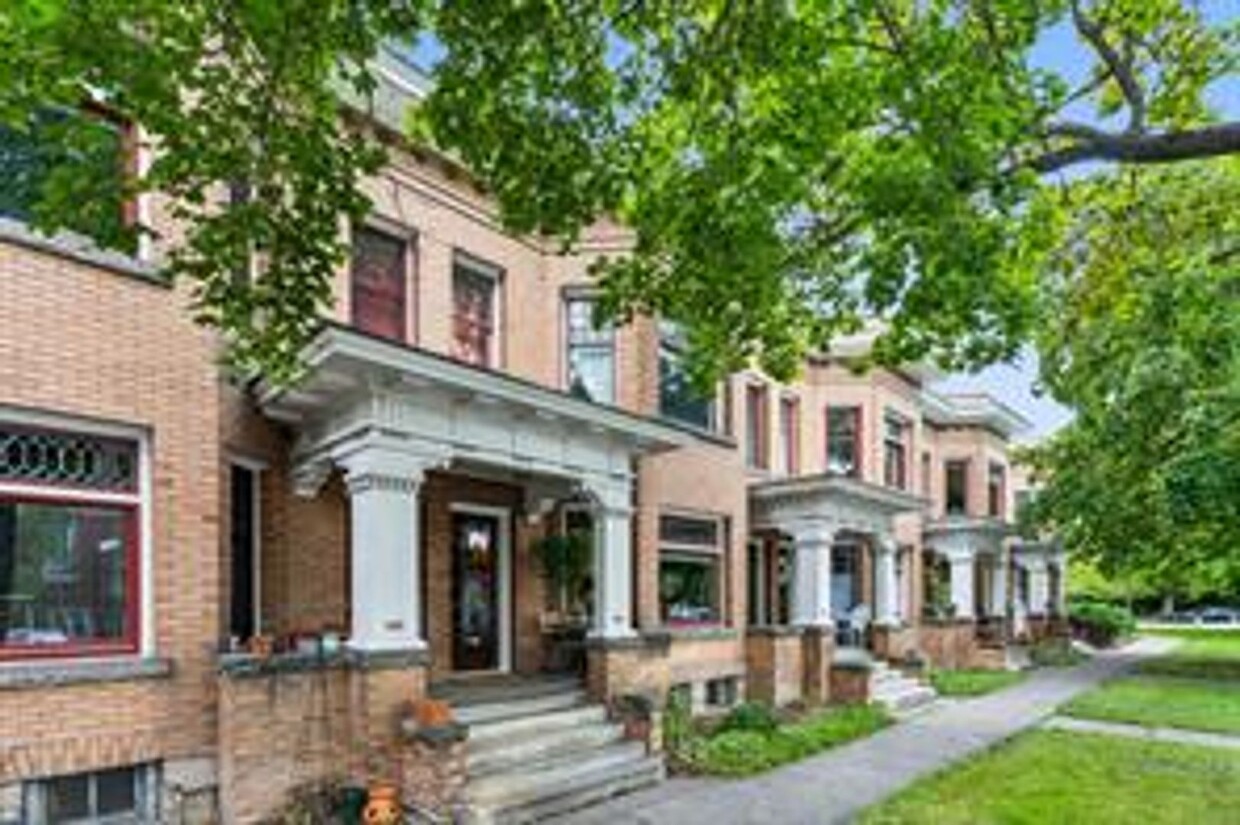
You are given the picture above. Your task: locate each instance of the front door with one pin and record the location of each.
(475, 591)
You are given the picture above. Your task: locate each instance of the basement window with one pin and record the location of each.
(116, 796)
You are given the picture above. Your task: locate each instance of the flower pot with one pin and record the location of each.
(382, 805)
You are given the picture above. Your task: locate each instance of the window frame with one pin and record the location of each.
(135, 503)
(716, 554)
(568, 297)
(408, 239)
(964, 465)
(146, 781)
(790, 433)
(463, 261)
(757, 426)
(902, 444)
(855, 410)
(671, 346)
(996, 489)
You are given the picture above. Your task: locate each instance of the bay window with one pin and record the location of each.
(590, 353)
(756, 427)
(844, 441)
(957, 488)
(690, 570)
(69, 543)
(895, 452)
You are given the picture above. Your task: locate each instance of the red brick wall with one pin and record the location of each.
(89, 342)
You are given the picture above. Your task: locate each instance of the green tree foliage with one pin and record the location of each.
(1141, 338)
(787, 169)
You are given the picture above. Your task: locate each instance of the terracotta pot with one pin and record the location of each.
(382, 805)
(260, 646)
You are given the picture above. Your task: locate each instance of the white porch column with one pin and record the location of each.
(386, 600)
(998, 586)
(886, 587)
(1039, 586)
(613, 562)
(811, 583)
(961, 562)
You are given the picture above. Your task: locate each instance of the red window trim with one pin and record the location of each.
(127, 645)
(857, 469)
(408, 327)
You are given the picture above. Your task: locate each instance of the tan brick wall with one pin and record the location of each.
(94, 343)
(775, 667)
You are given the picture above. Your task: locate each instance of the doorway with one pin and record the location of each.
(481, 589)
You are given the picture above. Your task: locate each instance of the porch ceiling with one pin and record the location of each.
(838, 501)
(356, 384)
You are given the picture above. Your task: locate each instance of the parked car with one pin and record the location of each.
(1218, 615)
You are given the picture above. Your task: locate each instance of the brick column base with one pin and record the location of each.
(637, 666)
(818, 650)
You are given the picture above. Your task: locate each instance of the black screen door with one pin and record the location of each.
(475, 592)
(243, 535)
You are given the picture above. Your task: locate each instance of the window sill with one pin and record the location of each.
(80, 249)
(699, 631)
(29, 675)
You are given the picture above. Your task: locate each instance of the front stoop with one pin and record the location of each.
(896, 692)
(538, 748)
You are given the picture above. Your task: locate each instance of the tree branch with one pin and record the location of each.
(1120, 67)
(1145, 148)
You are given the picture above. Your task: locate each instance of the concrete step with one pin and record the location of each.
(503, 754)
(562, 784)
(505, 730)
(495, 711)
(476, 690)
(905, 698)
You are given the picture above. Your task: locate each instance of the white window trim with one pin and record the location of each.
(717, 552)
(505, 596)
(141, 498)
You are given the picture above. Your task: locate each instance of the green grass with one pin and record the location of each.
(1163, 702)
(1075, 779)
(746, 752)
(1202, 654)
(973, 682)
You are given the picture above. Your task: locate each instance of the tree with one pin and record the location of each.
(1141, 338)
(788, 170)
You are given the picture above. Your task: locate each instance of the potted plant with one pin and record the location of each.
(566, 559)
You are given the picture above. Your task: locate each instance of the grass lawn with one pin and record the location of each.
(746, 752)
(1070, 778)
(1203, 654)
(1163, 701)
(973, 682)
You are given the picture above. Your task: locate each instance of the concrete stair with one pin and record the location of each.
(896, 692)
(538, 748)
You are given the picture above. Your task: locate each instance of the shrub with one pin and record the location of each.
(755, 717)
(1100, 623)
(1055, 653)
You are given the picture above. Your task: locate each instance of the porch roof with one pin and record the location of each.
(966, 534)
(841, 501)
(356, 383)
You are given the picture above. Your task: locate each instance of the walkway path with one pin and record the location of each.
(835, 786)
(1181, 735)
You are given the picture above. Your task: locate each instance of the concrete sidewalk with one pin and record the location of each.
(836, 785)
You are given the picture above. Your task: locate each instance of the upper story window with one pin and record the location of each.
(691, 552)
(926, 471)
(790, 434)
(996, 484)
(757, 427)
(69, 543)
(53, 148)
(895, 452)
(844, 441)
(379, 283)
(957, 487)
(590, 352)
(474, 313)
(678, 398)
